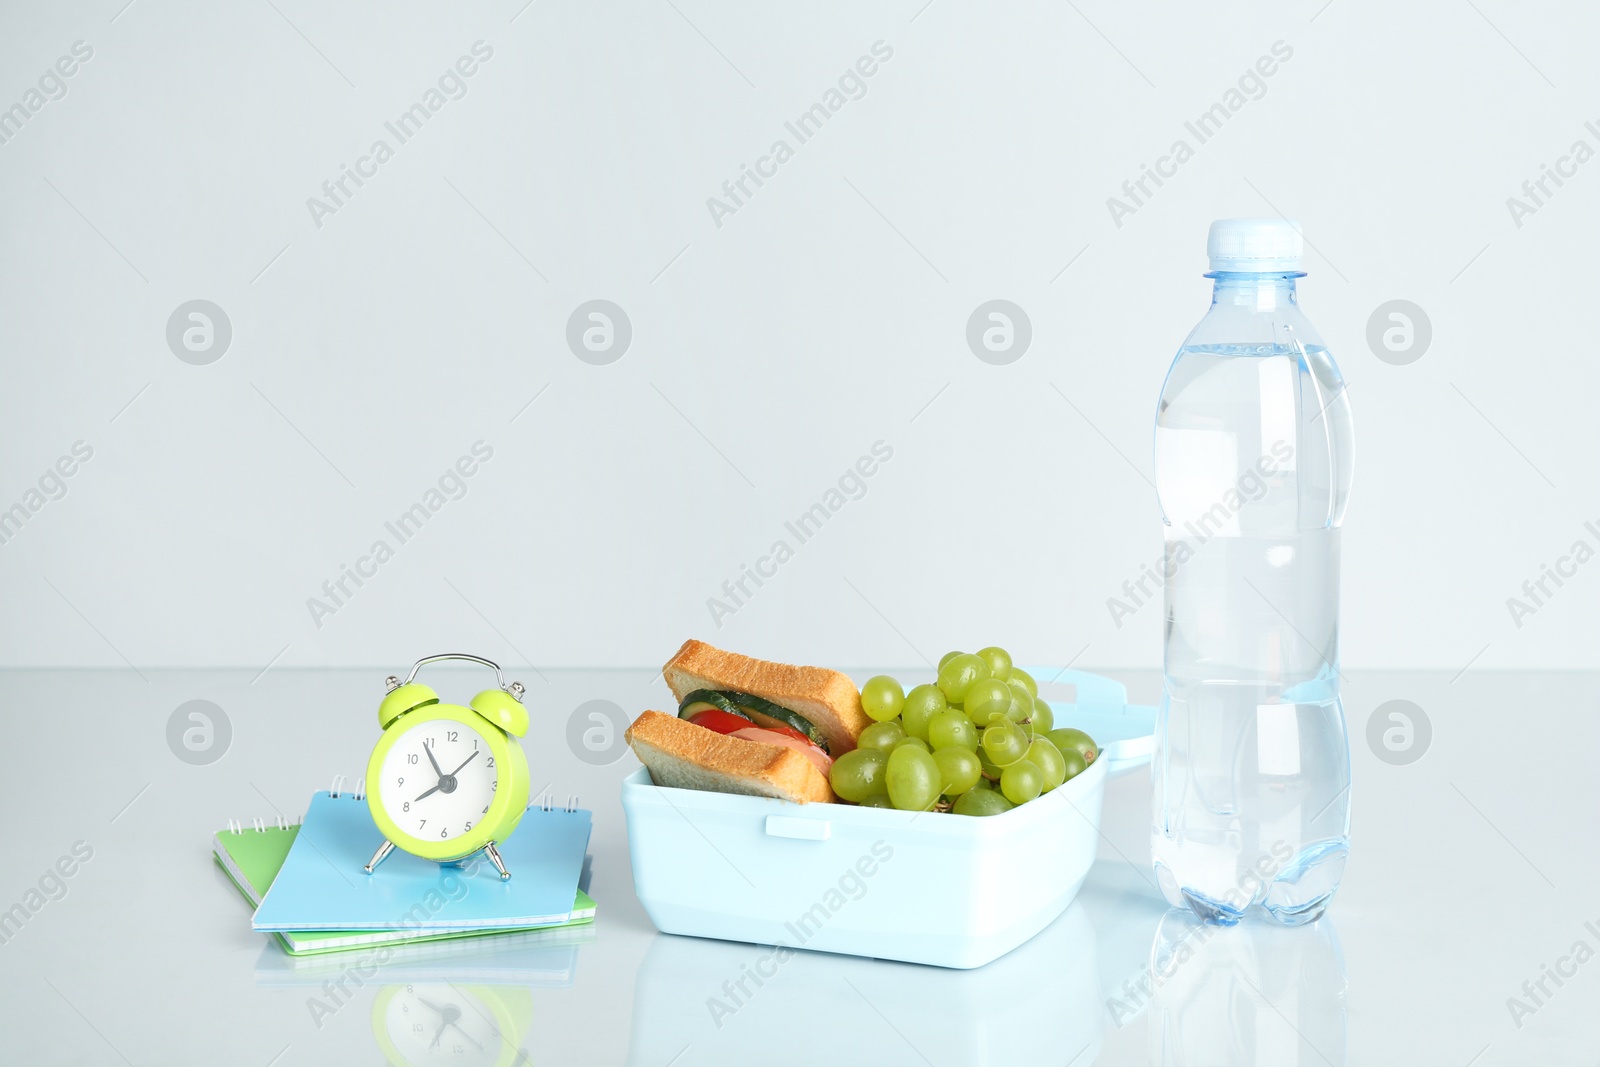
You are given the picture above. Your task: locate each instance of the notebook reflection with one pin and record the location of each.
(1254, 993)
(464, 1002)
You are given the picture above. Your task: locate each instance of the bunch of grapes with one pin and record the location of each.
(978, 741)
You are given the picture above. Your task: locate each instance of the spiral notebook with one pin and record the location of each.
(321, 885)
(546, 957)
(252, 856)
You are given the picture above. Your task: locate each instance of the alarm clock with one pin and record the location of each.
(446, 781)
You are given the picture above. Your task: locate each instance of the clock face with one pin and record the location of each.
(439, 1024)
(438, 780)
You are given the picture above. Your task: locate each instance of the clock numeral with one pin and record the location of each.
(429, 741)
(445, 832)
(406, 806)
(486, 811)
(494, 786)
(469, 826)
(421, 824)
(411, 757)
(491, 761)
(452, 735)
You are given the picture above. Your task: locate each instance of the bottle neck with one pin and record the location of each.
(1255, 292)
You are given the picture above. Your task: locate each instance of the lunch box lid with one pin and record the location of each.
(1125, 732)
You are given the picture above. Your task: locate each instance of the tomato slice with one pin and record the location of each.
(722, 722)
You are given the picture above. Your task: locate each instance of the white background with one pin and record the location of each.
(770, 353)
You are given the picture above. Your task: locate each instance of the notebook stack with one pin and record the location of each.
(309, 890)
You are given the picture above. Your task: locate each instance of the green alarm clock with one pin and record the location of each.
(446, 781)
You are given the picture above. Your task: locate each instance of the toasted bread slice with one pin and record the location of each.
(827, 698)
(685, 756)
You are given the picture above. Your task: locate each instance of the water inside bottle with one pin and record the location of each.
(1252, 804)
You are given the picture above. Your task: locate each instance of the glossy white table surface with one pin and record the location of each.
(1462, 934)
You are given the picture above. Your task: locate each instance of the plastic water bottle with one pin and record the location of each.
(1253, 464)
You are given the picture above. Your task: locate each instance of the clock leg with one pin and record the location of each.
(494, 858)
(378, 856)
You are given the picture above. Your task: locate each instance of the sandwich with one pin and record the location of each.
(750, 726)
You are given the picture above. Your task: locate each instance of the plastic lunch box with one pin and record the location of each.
(922, 887)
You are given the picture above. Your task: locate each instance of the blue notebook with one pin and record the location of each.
(322, 885)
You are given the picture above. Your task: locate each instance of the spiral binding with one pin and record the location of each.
(546, 802)
(358, 793)
(260, 825)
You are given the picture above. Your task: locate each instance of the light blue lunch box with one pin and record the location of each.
(922, 887)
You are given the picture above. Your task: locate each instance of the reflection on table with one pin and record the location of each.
(464, 1002)
(1254, 993)
(699, 1002)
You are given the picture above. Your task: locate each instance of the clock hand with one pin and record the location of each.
(464, 762)
(430, 792)
(464, 1034)
(431, 1005)
(429, 750)
(447, 1019)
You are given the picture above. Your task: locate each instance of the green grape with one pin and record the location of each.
(1004, 743)
(991, 770)
(915, 742)
(946, 658)
(882, 698)
(999, 661)
(859, 774)
(878, 800)
(881, 735)
(1019, 707)
(982, 783)
(913, 779)
(922, 703)
(1022, 781)
(957, 675)
(1074, 764)
(1076, 741)
(1047, 758)
(981, 802)
(987, 700)
(1044, 717)
(1020, 675)
(959, 769)
(950, 729)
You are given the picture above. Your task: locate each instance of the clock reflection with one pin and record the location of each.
(445, 1023)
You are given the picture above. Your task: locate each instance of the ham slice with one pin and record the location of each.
(820, 759)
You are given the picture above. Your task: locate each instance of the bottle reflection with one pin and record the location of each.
(1254, 993)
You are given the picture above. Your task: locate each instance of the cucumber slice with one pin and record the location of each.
(759, 712)
(765, 713)
(704, 699)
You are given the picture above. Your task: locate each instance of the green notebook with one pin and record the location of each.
(252, 858)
